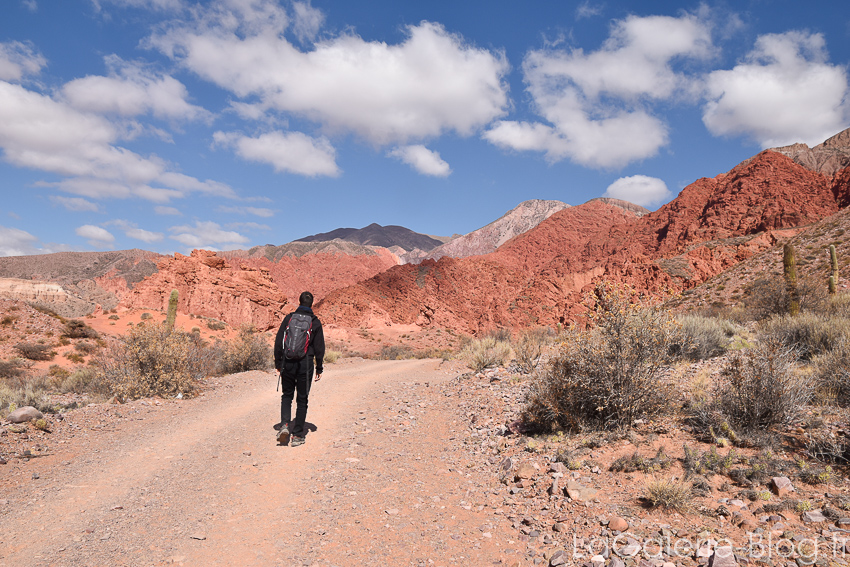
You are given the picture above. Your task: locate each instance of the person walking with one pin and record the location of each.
(299, 340)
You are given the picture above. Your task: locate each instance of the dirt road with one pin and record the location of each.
(382, 480)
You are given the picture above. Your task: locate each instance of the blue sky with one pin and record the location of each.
(169, 125)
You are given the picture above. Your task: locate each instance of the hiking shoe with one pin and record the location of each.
(296, 441)
(283, 434)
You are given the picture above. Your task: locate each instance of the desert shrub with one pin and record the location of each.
(637, 462)
(769, 296)
(395, 352)
(114, 317)
(703, 337)
(32, 351)
(708, 462)
(809, 334)
(13, 368)
(832, 373)
(529, 347)
(58, 372)
(486, 353)
(145, 316)
(76, 329)
(8, 320)
(83, 381)
(500, 335)
(668, 494)
(332, 356)
(74, 357)
(758, 389)
(248, 351)
(610, 375)
(153, 360)
(86, 347)
(216, 325)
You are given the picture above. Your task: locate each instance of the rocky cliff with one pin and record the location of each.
(45, 294)
(211, 286)
(828, 158)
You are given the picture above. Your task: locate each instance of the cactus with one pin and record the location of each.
(172, 309)
(833, 263)
(790, 267)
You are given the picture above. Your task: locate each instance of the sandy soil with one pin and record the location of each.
(382, 480)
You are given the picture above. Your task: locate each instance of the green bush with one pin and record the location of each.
(153, 360)
(332, 356)
(758, 388)
(395, 352)
(808, 334)
(703, 337)
(216, 325)
(486, 353)
(248, 351)
(84, 381)
(610, 375)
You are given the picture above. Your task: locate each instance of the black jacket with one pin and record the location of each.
(317, 340)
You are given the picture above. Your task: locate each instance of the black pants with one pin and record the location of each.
(296, 376)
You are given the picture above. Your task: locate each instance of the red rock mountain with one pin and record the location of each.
(538, 277)
(212, 287)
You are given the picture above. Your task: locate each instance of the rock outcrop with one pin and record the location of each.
(828, 158)
(210, 286)
(485, 240)
(45, 294)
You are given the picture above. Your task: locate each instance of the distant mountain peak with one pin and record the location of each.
(377, 235)
(828, 158)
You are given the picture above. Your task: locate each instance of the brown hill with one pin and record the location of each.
(538, 277)
(828, 158)
(377, 235)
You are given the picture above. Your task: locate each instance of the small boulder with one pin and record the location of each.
(578, 491)
(813, 517)
(781, 486)
(525, 471)
(723, 557)
(24, 414)
(618, 524)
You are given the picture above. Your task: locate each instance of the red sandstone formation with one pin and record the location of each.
(210, 286)
(539, 276)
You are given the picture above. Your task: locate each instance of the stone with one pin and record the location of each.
(618, 524)
(557, 468)
(813, 517)
(24, 414)
(578, 491)
(525, 471)
(554, 489)
(843, 523)
(723, 557)
(781, 486)
(559, 527)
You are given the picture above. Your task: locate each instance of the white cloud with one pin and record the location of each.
(132, 90)
(257, 211)
(207, 235)
(287, 152)
(307, 22)
(640, 190)
(97, 237)
(423, 160)
(44, 134)
(160, 210)
(433, 82)
(597, 104)
(133, 231)
(784, 91)
(249, 226)
(17, 60)
(75, 203)
(163, 5)
(16, 242)
(588, 10)
(30, 5)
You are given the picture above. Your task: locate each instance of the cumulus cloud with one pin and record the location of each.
(289, 152)
(41, 133)
(96, 236)
(160, 210)
(163, 5)
(423, 160)
(596, 104)
(75, 203)
(133, 231)
(431, 83)
(207, 235)
(17, 60)
(784, 91)
(640, 190)
(132, 90)
(16, 242)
